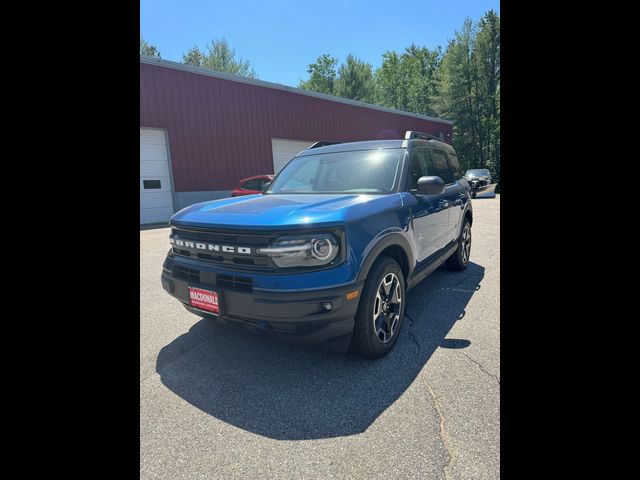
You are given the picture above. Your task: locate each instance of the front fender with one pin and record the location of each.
(377, 246)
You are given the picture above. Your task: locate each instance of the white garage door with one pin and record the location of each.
(284, 150)
(156, 203)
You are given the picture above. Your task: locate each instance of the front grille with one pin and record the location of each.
(235, 259)
(224, 236)
(233, 282)
(228, 282)
(185, 273)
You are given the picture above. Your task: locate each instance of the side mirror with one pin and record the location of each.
(265, 186)
(430, 185)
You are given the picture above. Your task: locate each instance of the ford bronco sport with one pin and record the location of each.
(327, 253)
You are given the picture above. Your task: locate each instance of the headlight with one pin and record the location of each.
(302, 251)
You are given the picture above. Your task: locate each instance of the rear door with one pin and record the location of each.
(461, 187)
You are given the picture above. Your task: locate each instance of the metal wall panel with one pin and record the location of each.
(221, 130)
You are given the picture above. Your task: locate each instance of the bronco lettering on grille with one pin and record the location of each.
(211, 247)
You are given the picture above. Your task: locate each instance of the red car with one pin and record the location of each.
(251, 185)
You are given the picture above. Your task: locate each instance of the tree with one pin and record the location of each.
(193, 57)
(391, 82)
(148, 49)
(322, 75)
(471, 92)
(462, 84)
(410, 81)
(459, 97)
(355, 80)
(488, 65)
(220, 57)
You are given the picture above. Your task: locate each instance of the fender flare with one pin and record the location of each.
(467, 208)
(385, 241)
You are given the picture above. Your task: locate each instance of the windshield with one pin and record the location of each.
(364, 171)
(478, 172)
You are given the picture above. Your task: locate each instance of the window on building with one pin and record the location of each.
(151, 184)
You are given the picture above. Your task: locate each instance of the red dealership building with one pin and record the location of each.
(201, 131)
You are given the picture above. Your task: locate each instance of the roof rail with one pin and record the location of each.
(424, 136)
(322, 144)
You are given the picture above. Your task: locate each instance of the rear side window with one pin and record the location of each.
(255, 184)
(439, 166)
(454, 165)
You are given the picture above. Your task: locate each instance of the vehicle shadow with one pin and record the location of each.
(294, 392)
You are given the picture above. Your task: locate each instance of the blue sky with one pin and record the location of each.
(280, 38)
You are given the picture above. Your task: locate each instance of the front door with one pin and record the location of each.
(430, 212)
(453, 191)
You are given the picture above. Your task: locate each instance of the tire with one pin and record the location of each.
(460, 258)
(373, 336)
(473, 194)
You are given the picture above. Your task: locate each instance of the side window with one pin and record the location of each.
(440, 167)
(255, 184)
(454, 165)
(418, 167)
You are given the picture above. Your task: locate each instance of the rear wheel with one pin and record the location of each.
(460, 258)
(381, 310)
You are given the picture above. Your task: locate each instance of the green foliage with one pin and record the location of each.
(471, 92)
(488, 65)
(461, 84)
(355, 80)
(220, 57)
(410, 81)
(148, 49)
(458, 95)
(193, 57)
(322, 75)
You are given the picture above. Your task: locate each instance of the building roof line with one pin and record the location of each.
(277, 86)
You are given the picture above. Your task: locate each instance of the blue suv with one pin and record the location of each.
(327, 253)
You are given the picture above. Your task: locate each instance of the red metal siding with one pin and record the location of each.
(220, 131)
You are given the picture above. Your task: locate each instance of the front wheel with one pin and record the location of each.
(460, 258)
(381, 310)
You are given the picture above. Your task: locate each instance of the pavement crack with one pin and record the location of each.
(444, 436)
(454, 287)
(147, 377)
(496, 378)
(411, 334)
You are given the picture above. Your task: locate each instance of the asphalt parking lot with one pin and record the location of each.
(220, 402)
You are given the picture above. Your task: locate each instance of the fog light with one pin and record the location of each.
(327, 306)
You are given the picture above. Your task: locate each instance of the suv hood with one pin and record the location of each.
(283, 211)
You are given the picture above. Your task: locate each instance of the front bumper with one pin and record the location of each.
(299, 316)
